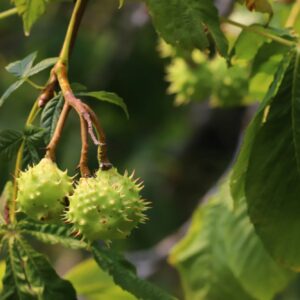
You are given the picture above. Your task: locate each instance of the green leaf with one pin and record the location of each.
(33, 144)
(108, 97)
(31, 11)
(22, 67)
(93, 284)
(124, 276)
(10, 90)
(2, 272)
(10, 141)
(241, 166)
(29, 275)
(42, 65)
(221, 257)
(51, 234)
(50, 116)
(265, 64)
(273, 173)
(185, 23)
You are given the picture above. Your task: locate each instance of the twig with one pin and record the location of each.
(295, 11)
(102, 148)
(268, 35)
(58, 131)
(84, 169)
(8, 13)
(68, 45)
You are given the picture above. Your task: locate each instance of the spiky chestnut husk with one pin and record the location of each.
(106, 207)
(41, 191)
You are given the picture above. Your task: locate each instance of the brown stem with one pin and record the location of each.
(67, 48)
(58, 132)
(104, 162)
(48, 92)
(84, 169)
(85, 114)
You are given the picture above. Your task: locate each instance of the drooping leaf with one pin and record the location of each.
(31, 11)
(185, 23)
(241, 166)
(10, 141)
(51, 234)
(50, 116)
(107, 97)
(42, 65)
(29, 275)
(124, 276)
(273, 172)
(21, 68)
(221, 257)
(92, 283)
(10, 90)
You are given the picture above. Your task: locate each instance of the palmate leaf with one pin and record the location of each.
(107, 97)
(221, 257)
(272, 175)
(124, 275)
(185, 23)
(51, 234)
(23, 69)
(50, 115)
(29, 275)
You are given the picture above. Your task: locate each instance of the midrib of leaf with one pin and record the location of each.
(294, 111)
(11, 243)
(24, 248)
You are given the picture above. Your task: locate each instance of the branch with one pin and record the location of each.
(8, 13)
(102, 147)
(268, 35)
(83, 164)
(87, 118)
(295, 11)
(68, 45)
(58, 132)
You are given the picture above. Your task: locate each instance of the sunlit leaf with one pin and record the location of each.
(221, 257)
(94, 284)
